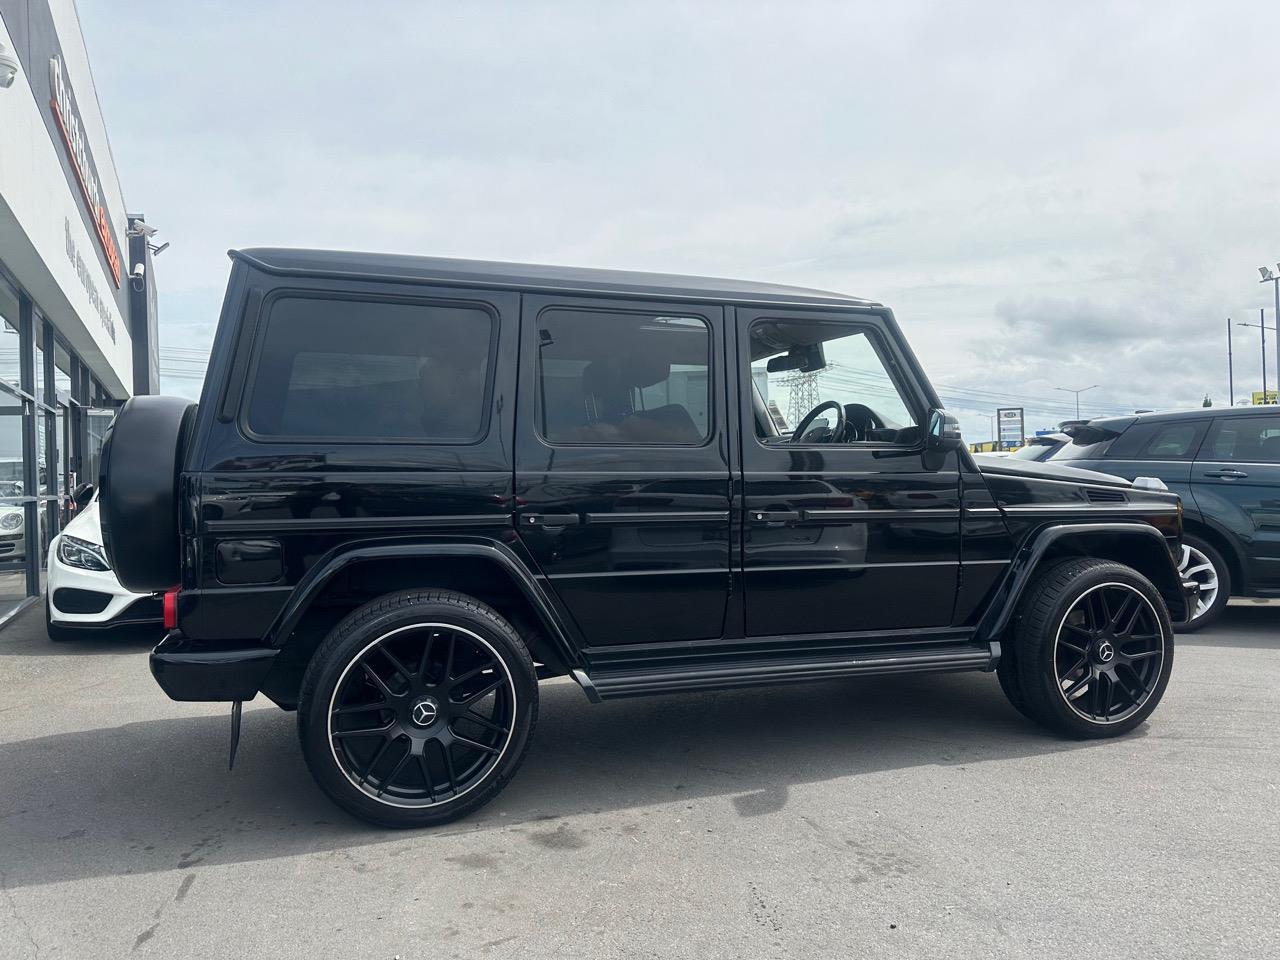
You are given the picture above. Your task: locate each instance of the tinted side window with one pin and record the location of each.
(623, 378)
(1158, 441)
(1248, 440)
(350, 369)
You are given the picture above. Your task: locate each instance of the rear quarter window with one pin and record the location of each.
(1161, 440)
(355, 369)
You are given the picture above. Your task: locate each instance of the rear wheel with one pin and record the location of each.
(417, 708)
(1094, 648)
(1200, 561)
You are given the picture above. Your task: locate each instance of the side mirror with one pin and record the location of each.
(83, 494)
(944, 431)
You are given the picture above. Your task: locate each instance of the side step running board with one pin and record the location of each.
(602, 684)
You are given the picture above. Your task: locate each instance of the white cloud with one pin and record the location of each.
(1047, 195)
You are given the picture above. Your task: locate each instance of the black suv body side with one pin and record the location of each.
(1225, 464)
(639, 517)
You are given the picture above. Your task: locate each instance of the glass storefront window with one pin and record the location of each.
(61, 371)
(37, 389)
(10, 352)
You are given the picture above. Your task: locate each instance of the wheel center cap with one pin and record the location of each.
(1105, 651)
(424, 712)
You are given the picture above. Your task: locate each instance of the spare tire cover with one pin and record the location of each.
(138, 491)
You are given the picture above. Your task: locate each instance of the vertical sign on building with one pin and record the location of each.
(1011, 428)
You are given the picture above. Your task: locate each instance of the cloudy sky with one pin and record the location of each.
(1047, 194)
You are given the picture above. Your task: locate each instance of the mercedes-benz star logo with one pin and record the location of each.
(425, 712)
(1106, 652)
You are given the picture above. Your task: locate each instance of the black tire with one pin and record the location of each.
(138, 490)
(1220, 576)
(1080, 672)
(411, 773)
(56, 633)
(1010, 683)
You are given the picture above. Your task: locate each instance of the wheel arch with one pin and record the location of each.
(1225, 544)
(1137, 545)
(356, 573)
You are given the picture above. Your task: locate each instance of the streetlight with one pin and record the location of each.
(1077, 393)
(1269, 276)
(1262, 329)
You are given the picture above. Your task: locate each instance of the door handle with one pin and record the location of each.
(550, 519)
(761, 517)
(1226, 474)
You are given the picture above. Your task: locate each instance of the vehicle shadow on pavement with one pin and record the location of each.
(156, 795)
(1242, 625)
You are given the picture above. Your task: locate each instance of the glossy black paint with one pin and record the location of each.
(845, 537)
(637, 527)
(643, 567)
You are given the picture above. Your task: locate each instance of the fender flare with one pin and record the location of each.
(1027, 562)
(348, 555)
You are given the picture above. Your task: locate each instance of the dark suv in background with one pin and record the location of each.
(1225, 463)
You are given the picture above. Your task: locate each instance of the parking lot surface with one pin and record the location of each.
(897, 817)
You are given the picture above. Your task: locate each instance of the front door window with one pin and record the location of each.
(822, 382)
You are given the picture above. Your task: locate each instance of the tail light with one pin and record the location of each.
(171, 609)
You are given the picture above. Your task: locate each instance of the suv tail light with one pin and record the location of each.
(171, 609)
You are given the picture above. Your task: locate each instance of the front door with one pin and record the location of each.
(845, 530)
(1236, 480)
(622, 465)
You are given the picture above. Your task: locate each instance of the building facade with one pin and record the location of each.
(77, 295)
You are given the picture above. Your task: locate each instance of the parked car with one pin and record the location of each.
(1225, 462)
(1041, 448)
(83, 598)
(413, 487)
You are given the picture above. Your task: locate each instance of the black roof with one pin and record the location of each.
(528, 276)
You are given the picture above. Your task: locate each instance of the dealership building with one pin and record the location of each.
(77, 296)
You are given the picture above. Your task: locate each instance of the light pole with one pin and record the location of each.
(1262, 329)
(1231, 376)
(1269, 276)
(1077, 393)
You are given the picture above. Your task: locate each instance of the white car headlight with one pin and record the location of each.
(75, 552)
(11, 521)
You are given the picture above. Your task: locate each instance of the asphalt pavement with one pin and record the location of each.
(892, 817)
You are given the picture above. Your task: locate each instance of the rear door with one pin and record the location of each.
(1236, 481)
(622, 464)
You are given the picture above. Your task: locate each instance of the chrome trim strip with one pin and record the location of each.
(1095, 510)
(853, 514)
(315, 524)
(622, 517)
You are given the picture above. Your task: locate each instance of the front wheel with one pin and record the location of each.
(1094, 648)
(417, 708)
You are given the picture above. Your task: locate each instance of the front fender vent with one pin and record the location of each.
(1105, 496)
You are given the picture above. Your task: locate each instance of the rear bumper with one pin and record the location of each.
(209, 670)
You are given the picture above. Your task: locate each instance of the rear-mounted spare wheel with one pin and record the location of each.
(138, 490)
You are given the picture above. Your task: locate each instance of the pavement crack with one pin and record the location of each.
(18, 918)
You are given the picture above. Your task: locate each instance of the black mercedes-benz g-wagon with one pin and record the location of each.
(414, 487)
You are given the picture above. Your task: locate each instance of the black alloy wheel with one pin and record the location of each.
(422, 714)
(1091, 651)
(417, 708)
(1108, 653)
